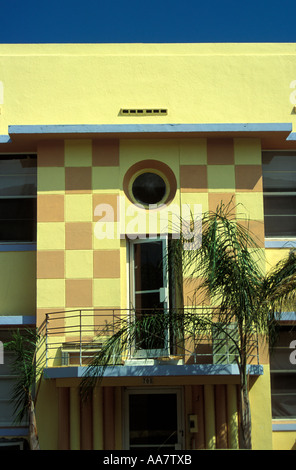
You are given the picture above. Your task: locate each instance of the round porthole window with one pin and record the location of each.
(150, 182)
(149, 188)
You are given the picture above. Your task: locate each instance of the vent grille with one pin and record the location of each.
(143, 112)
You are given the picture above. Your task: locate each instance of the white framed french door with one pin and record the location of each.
(149, 291)
(153, 419)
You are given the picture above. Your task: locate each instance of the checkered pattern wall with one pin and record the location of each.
(74, 268)
(228, 170)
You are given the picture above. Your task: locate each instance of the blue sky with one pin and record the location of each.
(147, 21)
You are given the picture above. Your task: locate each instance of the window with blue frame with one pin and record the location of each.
(279, 191)
(18, 198)
(283, 374)
(7, 383)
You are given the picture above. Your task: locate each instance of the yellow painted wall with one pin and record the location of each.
(18, 283)
(261, 412)
(274, 255)
(89, 84)
(47, 415)
(281, 440)
(285, 440)
(183, 156)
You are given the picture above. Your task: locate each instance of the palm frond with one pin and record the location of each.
(244, 300)
(146, 328)
(280, 284)
(25, 366)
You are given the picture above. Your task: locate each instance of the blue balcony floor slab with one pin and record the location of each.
(153, 371)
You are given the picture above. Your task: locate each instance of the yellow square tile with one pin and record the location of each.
(221, 178)
(105, 178)
(189, 199)
(78, 208)
(247, 151)
(51, 179)
(79, 264)
(193, 152)
(251, 205)
(50, 235)
(50, 293)
(78, 152)
(106, 292)
(105, 235)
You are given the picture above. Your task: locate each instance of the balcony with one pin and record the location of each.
(74, 337)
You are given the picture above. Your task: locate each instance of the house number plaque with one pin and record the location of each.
(147, 380)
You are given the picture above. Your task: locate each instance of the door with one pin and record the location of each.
(149, 294)
(153, 419)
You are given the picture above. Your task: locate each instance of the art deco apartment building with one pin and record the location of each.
(86, 133)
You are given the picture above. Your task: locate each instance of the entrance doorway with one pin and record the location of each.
(153, 419)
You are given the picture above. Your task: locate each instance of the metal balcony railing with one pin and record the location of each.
(74, 337)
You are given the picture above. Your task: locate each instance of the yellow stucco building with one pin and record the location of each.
(81, 128)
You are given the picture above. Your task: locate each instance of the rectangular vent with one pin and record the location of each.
(143, 112)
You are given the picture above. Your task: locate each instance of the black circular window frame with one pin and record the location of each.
(149, 188)
(139, 189)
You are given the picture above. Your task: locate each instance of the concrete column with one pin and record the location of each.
(64, 419)
(109, 415)
(221, 417)
(74, 419)
(210, 424)
(232, 416)
(118, 418)
(86, 426)
(198, 410)
(98, 439)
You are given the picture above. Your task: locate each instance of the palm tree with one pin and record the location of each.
(244, 300)
(26, 366)
(229, 264)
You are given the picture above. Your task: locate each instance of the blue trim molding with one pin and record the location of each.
(17, 320)
(284, 426)
(288, 316)
(153, 371)
(19, 432)
(280, 243)
(14, 130)
(17, 246)
(292, 136)
(5, 139)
